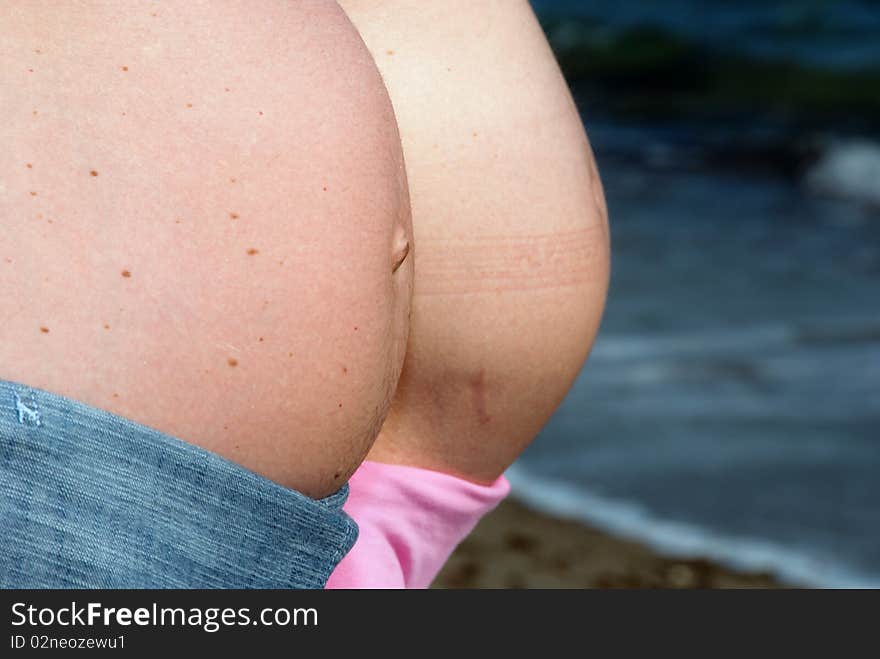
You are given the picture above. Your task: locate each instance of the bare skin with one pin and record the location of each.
(511, 232)
(205, 224)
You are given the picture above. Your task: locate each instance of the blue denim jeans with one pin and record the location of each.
(89, 499)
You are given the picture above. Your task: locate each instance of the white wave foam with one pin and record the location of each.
(746, 339)
(630, 520)
(616, 347)
(848, 169)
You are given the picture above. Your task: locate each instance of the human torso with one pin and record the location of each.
(197, 203)
(510, 229)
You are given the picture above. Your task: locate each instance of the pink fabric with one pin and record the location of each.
(410, 520)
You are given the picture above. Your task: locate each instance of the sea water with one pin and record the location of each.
(731, 405)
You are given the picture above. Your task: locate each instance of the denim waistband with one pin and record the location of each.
(89, 499)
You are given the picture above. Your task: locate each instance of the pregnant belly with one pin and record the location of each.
(196, 225)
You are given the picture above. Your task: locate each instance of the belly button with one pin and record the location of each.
(400, 249)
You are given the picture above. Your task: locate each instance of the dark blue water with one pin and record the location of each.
(731, 406)
(842, 33)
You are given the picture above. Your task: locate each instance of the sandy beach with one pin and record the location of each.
(515, 547)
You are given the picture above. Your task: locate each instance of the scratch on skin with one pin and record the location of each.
(479, 396)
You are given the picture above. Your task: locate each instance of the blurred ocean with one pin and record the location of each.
(731, 406)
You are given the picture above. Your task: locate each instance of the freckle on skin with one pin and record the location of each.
(189, 105)
(261, 339)
(344, 369)
(290, 354)
(389, 52)
(253, 251)
(355, 328)
(29, 166)
(232, 180)
(233, 216)
(93, 173)
(340, 404)
(44, 330)
(232, 362)
(125, 68)
(106, 326)
(115, 395)
(33, 194)
(126, 273)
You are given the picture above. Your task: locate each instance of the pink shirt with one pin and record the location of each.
(410, 520)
